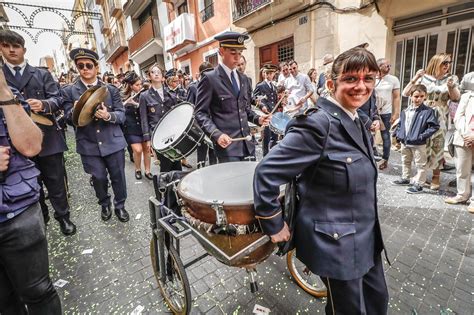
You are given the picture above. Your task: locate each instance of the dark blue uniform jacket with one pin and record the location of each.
(337, 231)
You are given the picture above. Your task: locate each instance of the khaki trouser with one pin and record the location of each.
(418, 153)
(463, 171)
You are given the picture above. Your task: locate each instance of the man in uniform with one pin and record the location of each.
(223, 103)
(267, 91)
(101, 143)
(41, 92)
(24, 267)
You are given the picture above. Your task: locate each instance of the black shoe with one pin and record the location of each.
(138, 174)
(401, 182)
(106, 212)
(415, 189)
(122, 214)
(67, 227)
(46, 219)
(149, 176)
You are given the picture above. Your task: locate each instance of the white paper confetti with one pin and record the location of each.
(138, 216)
(87, 251)
(60, 283)
(138, 310)
(260, 310)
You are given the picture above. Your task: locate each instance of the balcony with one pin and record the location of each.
(251, 14)
(146, 41)
(179, 34)
(114, 8)
(134, 8)
(104, 26)
(116, 45)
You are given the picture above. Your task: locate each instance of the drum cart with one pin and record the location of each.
(169, 228)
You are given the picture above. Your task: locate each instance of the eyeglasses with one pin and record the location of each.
(354, 80)
(447, 62)
(81, 66)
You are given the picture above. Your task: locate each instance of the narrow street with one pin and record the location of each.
(108, 268)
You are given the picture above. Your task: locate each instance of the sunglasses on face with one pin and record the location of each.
(447, 62)
(354, 80)
(81, 66)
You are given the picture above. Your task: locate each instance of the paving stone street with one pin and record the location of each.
(430, 245)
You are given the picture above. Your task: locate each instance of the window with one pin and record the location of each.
(183, 8)
(212, 59)
(208, 11)
(143, 17)
(186, 69)
(286, 50)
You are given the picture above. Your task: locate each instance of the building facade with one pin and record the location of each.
(112, 26)
(408, 33)
(189, 37)
(145, 20)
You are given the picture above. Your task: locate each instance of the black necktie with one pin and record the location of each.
(235, 86)
(17, 73)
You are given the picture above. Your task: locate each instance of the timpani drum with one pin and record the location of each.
(218, 202)
(279, 122)
(177, 134)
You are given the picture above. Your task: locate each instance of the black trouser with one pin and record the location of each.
(53, 176)
(24, 266)
(269, 140)
(166, 165)
(226, 159)
(367, 295)
(114, 165)
(202, 152)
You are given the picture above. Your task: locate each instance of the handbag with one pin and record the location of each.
(290, 204)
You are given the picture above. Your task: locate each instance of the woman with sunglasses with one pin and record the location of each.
(154, 103)
(442, 87)
(132, 128)
(327, 151)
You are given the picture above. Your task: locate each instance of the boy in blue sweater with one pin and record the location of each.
(417, 124)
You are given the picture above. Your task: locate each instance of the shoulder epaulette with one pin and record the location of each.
(307, 112)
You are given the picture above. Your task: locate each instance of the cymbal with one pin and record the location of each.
(85, 107)
(42, 120)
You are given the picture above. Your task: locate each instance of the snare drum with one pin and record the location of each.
(221, 196)
(177, 134)
(279, 122)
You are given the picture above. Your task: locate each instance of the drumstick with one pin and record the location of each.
(248, 138)
(278, 104)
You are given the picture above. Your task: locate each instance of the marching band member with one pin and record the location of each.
(223, 103)
(154, 104)
(101, 143)
(203, 150)
(25, 283)
(133, 127)
(268, 90)
(337, 232)
(42, 94)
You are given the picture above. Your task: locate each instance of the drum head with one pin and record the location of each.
(231, 183)
(279, 121)
(172, 126)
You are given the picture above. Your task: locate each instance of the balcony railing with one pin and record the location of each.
(114, 7)
(207, 12)
(245, 7)
(104, 26)
(115, 46)
(144, 35)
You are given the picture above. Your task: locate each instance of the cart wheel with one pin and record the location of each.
(175, 286)
(307, 280)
